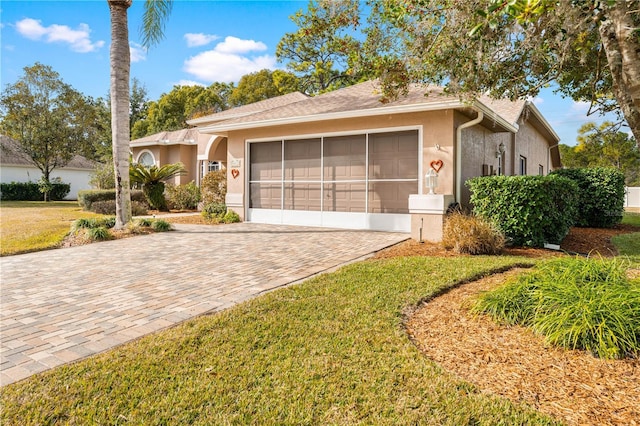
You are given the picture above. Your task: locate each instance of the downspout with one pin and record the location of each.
(549, 157)
(459, 130)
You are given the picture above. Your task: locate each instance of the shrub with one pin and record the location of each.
(529, 210)
(30, 191)
(88, 197)
(91, 223)
(576, 303)
(99, 233)
(214, 211)
(231, 217)
(214, 187)
(109, 207)
(144, 221)
(183, 197)
(160, 225)
(601, 195)
(471, 235)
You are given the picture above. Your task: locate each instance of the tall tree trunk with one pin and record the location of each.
(120, 62)
(622, 47)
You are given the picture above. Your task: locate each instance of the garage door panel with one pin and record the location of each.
(345, 158)
(302, 196)
(390, 197)
(266, 161)
(345, 197)
(302, 159)
(265, 196)
(393, 155)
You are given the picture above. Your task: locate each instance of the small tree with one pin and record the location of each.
(152, 180)
(50, 121)
(103, 177)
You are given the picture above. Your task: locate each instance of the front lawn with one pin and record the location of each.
(631, 219)
(332, 350)
(28, 226)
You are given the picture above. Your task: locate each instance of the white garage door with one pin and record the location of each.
(357, 181)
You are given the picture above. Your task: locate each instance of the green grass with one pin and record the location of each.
(331, 350)
(27, 226)
(577, 303)
(631, 219)
(628, 245)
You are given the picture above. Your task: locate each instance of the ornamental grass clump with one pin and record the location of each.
(471, 234)
(576, 303)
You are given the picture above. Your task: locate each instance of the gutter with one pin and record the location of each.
(458, 165)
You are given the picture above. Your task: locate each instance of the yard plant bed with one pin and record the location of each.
(570, 385)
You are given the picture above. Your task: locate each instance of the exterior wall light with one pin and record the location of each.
(431, 180)
(501, 150)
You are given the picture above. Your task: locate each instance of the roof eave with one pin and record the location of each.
(545, 124)
(398, 109)
(189, 142)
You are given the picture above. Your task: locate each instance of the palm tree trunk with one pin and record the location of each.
(120, 62)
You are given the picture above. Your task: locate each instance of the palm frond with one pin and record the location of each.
(139, 173)
(156, 13)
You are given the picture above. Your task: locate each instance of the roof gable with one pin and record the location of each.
(11, 154)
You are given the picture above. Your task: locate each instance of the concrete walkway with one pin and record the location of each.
(62, 305)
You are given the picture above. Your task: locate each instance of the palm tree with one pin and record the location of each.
(152, 181)
(156, 12)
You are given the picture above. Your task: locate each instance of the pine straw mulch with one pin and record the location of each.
(572, 386)
(591, 241)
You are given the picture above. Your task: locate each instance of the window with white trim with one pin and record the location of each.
(523, 165)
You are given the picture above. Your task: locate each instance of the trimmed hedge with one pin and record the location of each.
(529, 210)
(601, 196)
(30, 191)
(88, 197)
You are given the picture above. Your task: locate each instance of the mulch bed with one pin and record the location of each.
(572, 386)
(587, 241)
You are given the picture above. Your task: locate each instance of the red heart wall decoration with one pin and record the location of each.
(235, 173)
(436, 165)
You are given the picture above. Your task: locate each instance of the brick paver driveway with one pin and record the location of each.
(61, 305)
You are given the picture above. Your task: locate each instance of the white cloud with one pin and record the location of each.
(235, 45)
(229, 61)
(199, 39)
(189, 83)
(138, 53)
(535, 100)
(79, 40)
(580, 106)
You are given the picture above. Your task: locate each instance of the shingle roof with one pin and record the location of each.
(10, 154)
(266, 104)
(366, 98)
(176, 136)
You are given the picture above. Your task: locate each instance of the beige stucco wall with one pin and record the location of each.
(480, 145)
(437, 128)
(186, 154)
(533, 146)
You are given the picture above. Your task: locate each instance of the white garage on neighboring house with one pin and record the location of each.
(15, 166)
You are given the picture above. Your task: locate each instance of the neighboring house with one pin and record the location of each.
(345, 159)
(15, 166)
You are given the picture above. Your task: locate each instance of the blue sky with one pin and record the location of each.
(205, 41)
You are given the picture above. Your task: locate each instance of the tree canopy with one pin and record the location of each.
(321, 51)
(512, 49)
(262, 85)
(604, 146)
(50, 120)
